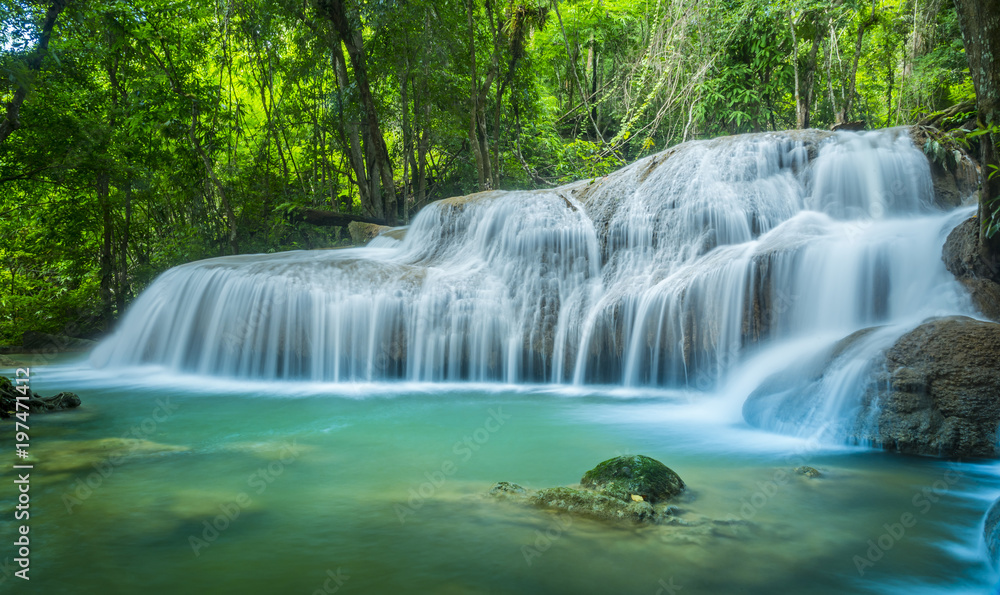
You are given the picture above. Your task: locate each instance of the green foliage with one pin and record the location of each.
(156, 133)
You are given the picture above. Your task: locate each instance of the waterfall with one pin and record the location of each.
(670, 272)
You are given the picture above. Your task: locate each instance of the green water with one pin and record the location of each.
(325, 482)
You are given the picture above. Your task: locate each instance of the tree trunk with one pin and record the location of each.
(477, 150)
(593, 58)
(922, 38)
(980, 22)
(11, 120)
(576, 76)
(379, 165)
(124, 288)
(852, 77)
(326, 218)
(107, 247)
(407, 138)
(353, 142)
(828, 58)
(803, 114)
(231, 223)
(795, 69)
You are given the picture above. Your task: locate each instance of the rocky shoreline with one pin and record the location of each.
(36, 403)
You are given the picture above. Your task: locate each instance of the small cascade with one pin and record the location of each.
(670, 272)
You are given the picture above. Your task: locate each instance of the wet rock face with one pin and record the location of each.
(957, 180)
(962, 258)
(935, 391)
(633, 475)
(939, 391)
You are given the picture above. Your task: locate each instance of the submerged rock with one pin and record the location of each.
(595, 505)
(807, 471)
(962, 258)
(507, 489)
(81, 455)
(625, 476)
(55, 403)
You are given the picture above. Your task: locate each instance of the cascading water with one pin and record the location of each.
(753, 281)
(666, 273)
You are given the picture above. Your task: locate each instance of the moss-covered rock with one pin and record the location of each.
(598, 506)
(634, 475)
(625, 489)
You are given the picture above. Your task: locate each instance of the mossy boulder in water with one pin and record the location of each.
(628, 488)
(633, 475)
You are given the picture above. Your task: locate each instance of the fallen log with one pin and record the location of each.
(329, 218)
